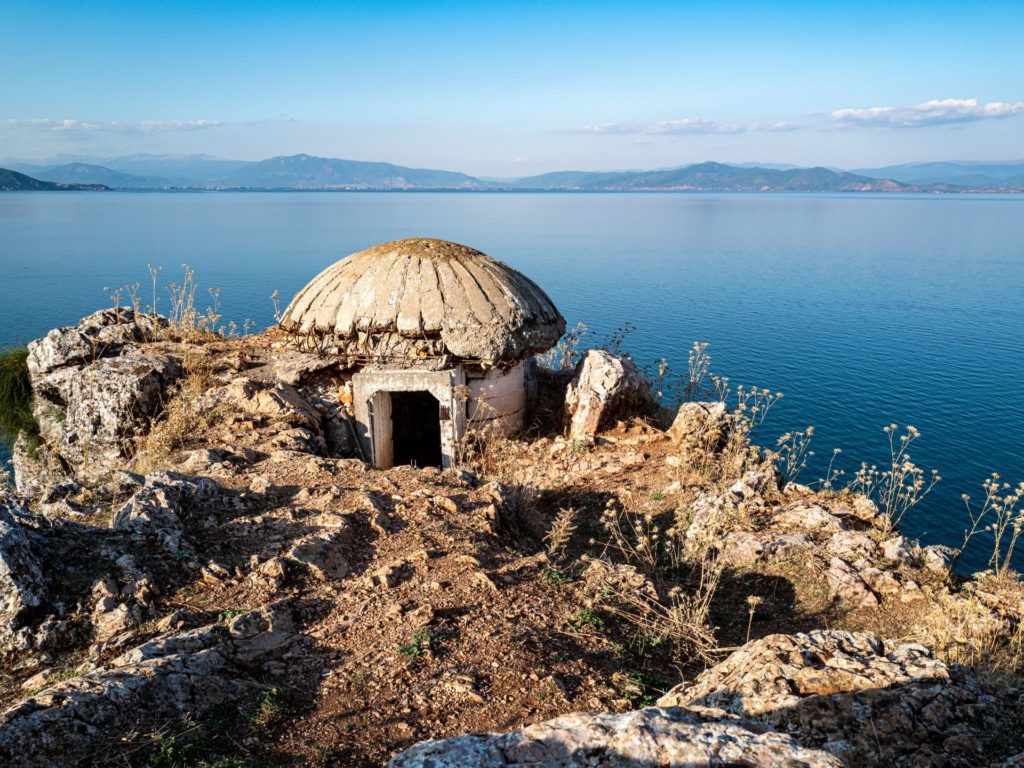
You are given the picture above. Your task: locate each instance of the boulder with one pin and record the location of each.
(108, 405)
(873, 702)
(604, 387)
(95, 393)
(646, 737)
(700, 426)
(22, 586)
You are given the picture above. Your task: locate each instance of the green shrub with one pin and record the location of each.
(16, 397)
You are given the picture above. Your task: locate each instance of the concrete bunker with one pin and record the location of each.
(431, 338)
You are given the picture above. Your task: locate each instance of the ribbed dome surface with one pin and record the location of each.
(422, 290)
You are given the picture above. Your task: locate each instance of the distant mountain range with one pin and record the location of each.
(1008, 175)
(12, 181)
(307, 172)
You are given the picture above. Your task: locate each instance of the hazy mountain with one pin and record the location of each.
(179, 170)
(1008, 175)
(722, 177)
(309, 172)
(773, 166)
(12, 181)
(85, 173)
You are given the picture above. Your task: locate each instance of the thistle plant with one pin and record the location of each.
(793, 451)
(752, 602)
(562, 530)
(698, 364)
(900, 485)
(1001, 505)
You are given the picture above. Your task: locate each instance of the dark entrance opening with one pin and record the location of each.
(415, 429)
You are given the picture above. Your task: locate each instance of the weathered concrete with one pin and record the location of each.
(371, 392)
(418, 298)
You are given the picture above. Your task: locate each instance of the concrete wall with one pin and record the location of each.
(497, 398)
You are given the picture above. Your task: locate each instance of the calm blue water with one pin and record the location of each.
(863, 310)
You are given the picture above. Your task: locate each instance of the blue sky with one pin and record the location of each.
(517, 88)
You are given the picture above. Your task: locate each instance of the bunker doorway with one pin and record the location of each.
(416, 429)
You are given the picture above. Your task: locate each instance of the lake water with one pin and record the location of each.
(863, 310)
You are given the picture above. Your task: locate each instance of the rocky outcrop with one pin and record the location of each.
(72, 723)
(604, 387)
(868, 700)
(647, 737)
(22, 586)
(95, 392)
(102, 334)
(154, 511)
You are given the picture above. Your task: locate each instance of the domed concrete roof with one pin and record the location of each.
(428, 291)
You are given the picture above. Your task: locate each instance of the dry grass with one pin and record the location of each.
(964, 629)
(181, 419)
(681, 617)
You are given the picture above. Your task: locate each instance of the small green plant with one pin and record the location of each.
(657, 496)
(170, 752)
(271, 706)
(16, 398)
(227, 615)
(587, 617)
(423, 640)
(639, 688)
(554, 577)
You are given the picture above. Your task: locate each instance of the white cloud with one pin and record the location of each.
(681, 127)
(934, 112)
(84, 127)
(686, 125)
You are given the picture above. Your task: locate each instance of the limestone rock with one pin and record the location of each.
(741, 548)
(811, 517)
(874, 702)
(847, 586)
(22, 586)
(604, 387)
(900, 550)
(790, 545)
(323, 554)
(700, 425)
(160, 681)
(91, 417)
(154, 510)
(101, 334)
(851, 545)
(648, 737)
(708, 516)
(95, 392)
(280, 402)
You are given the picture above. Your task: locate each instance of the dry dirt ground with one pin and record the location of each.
(441, 611)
